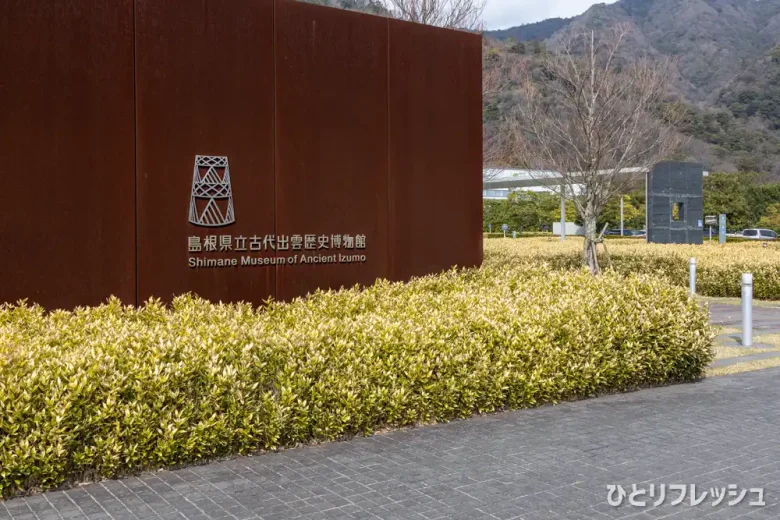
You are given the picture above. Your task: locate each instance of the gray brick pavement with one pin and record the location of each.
(765, 319)
(547, 463)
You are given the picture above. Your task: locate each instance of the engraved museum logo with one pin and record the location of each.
(211, 201)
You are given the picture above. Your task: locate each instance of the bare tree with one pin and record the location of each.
(592, 115)
(453, 14)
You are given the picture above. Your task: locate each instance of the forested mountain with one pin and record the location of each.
(728, 54)
(532, 31)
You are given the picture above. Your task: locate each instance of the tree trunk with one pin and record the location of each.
(589, 253)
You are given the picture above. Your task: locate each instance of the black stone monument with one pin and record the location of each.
(675, 203)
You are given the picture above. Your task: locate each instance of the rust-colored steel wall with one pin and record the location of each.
(67, 230)
(334, 124)
(435, 149)
(204, 73)
(331, 143)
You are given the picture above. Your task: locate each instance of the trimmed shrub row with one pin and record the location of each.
(103, 391)
(718, 267)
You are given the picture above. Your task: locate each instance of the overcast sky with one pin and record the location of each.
(500, 14)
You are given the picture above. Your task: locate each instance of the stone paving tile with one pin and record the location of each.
(547, 463)
(728, 341)
(731, 315)
(742, 359)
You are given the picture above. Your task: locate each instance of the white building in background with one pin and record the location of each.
(498, 183)
(571, 229)
(496, 180)
(503, 193)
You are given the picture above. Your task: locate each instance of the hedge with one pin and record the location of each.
(110, 390)
(719, 268)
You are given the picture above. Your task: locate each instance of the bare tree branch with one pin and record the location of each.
(593, 115)
(453, 14)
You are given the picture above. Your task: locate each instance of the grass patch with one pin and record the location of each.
(728, 331)
(769, 339)
(771, 304)
(747, 366)
(732, 352)
(719, 267)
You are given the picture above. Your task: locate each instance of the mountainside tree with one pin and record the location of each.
(633, 213)
(499, 71)
(775, 54)
(364, 6)
(743, 198)
(525, 211)
(453, 14)
(771, 220)
(589, 115)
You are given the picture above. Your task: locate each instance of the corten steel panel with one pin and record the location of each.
(435, 115)
(67, 228)
(331, 141)
(204, 72)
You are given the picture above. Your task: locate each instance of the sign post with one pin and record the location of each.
(722, 228)
(505, 227)
(710, 220)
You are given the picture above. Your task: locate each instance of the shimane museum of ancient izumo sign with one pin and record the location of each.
(239, 150)
(211, 206)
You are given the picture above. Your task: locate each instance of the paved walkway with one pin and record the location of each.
(546, 463)
(766, 320)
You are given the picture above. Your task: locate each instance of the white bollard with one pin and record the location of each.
(692, 276)
(747, 310)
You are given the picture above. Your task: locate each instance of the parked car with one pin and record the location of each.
(759, 234)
